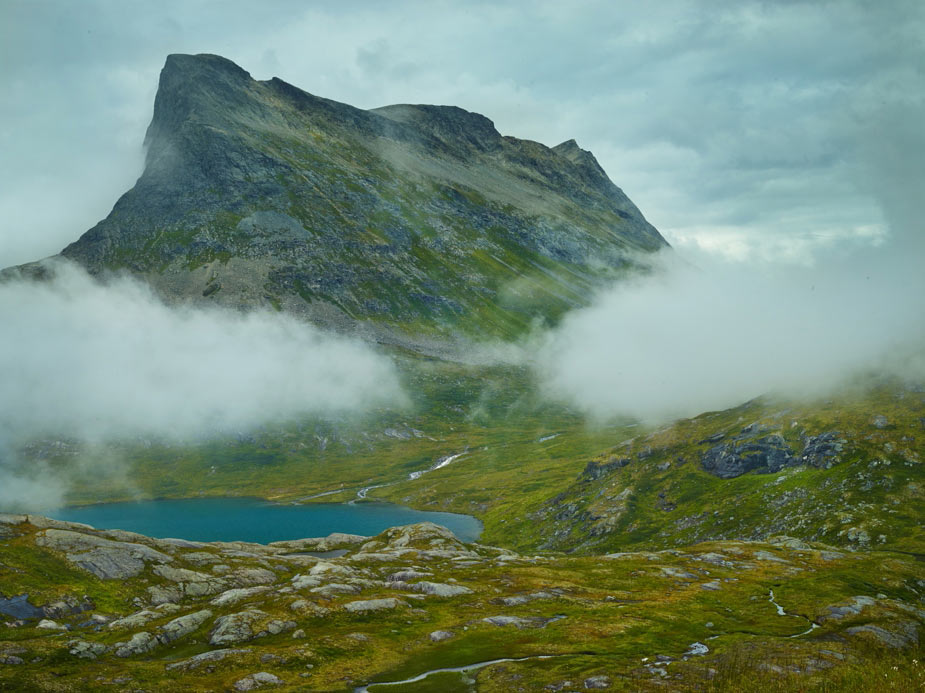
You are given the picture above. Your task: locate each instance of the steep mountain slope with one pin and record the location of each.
(419, 220)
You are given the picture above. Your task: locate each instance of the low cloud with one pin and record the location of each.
(688, 339)
(96, 362)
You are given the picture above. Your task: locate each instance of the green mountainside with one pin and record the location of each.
(419, 220)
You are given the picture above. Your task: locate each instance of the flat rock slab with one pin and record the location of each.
(204, 658)
(107, 559)
(368, 605)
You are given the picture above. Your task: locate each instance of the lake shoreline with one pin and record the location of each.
(258, 520)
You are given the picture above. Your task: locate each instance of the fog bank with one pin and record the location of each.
(689, 339)
(92, 362)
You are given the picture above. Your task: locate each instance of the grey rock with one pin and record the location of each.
(852, 608)
(331, 570)
(597, 682)
(164, 594)
(205, 658)
(697, 649)
(368, 605)
(258, 680)
(898, 635)
(192, 583)
(109, 560)
(768, 556)
(405, 575)
(301, 582)
(519, 622)
(86, 650)
(880, 421)
(277, 626)
(594, 471)
(671, 571)
(308, 608)
(441, 635)
(789, 543)
(136, 620)
(183, 626)
(335, 588)
(440, 589)
(769, 454)
(233, 596)
(234, 628)
(140, 643)
(519, 599)
(254, 576)
(822, 451)
(714, 559)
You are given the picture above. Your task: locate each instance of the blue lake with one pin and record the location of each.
(252, 519)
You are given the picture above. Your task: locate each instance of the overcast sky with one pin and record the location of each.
(741, 128)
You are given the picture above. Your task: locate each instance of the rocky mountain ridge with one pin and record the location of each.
(403, 220)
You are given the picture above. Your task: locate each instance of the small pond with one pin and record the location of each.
(256, 520)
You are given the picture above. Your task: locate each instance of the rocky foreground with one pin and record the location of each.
(88, 609)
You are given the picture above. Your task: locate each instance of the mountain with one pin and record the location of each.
(403, 220)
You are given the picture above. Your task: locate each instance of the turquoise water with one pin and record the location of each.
(252, 519)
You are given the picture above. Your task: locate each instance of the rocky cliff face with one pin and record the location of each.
(405, 220)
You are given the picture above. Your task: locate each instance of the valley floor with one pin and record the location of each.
(111, 610)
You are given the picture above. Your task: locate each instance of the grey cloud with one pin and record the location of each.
(759, 101)
(98, 362)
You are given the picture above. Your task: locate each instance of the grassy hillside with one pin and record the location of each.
(719, 616)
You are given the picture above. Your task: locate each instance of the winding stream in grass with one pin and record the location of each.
(460, 670)
(780, 612)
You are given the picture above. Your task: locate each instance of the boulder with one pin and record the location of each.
(233, 596)
(86, 650)
(769, 454)
(404, 575)
(254, 576)
(235, 628)
(183, 625)
(896, 635)
(140, 643)
(192, 583)
(335, 588)
(205, 658)
(107, 559)
(136, 620)
(518, 622)
(440, 589)
(368, 605)
(261, 678)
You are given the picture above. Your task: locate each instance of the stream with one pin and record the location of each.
(461, 670)
(413, 476)
(780, 612)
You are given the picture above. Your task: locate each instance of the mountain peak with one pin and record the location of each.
(192, 85)
(405, 223)
(185, 63)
